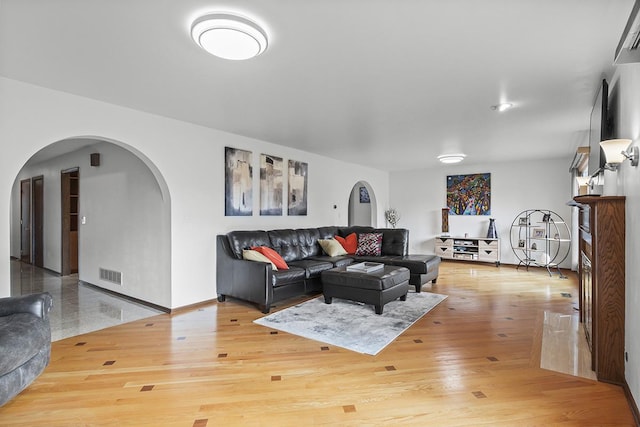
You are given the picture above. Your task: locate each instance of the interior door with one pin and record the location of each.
(37, 189)
(25, 220)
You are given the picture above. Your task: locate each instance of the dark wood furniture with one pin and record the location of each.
(602, 282)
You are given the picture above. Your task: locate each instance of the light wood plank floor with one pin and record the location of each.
(472, 361)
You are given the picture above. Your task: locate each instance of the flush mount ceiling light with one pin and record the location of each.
(502, 107)
(451, 158)
(229, 36)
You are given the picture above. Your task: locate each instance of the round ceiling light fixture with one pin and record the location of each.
(502, 106)
(451, 158)
(229, 36)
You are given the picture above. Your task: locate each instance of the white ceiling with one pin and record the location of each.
(391, 84)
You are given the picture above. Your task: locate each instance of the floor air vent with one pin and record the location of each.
(111, 276)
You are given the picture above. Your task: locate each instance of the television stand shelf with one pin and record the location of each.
(480, 249)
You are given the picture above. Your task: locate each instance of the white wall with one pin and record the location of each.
(627, 125)
(127, 221)
(420, 195)
(190, 159)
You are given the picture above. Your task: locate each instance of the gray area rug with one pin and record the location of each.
(350, 324)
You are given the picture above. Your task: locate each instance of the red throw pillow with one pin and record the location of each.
(349, 243)
(273, 256)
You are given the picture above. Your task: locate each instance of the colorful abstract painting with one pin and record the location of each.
(469, 194)
(364, 195)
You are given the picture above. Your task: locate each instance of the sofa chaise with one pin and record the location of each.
(259, 283)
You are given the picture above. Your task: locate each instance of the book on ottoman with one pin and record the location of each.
(366, 267)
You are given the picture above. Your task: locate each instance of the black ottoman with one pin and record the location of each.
(377, 288)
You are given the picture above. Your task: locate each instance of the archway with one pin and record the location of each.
(362, 205)
(123, 216)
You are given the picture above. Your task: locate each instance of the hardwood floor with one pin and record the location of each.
(473, 360)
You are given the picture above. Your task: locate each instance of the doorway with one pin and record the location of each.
(37, 187)
(70, 199)
(362, 205)
(31, 220)
(110, 226)
(25, 220)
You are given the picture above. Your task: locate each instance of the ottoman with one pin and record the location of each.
(377, 288)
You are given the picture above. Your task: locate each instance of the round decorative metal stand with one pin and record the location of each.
(541, 238)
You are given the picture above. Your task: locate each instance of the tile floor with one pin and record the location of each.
(77, 308)
(564, 345)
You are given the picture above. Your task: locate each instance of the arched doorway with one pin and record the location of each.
(362, 205)
(120, 210)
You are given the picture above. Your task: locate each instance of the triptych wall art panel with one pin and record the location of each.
(270, 185)
(469, 194)
(238, 189)
(239, 184)
(297, 187)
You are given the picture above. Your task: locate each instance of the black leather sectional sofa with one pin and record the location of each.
(257, 282)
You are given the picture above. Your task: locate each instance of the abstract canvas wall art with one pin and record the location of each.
(469, 194)
(238, 186)
(297, 204)
(364, 195)
(271, 185)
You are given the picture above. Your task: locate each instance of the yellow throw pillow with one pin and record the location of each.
(251, 255)
(332, 247)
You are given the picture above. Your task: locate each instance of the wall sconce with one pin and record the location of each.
(615, 152)
(583, 184)
(583, 180)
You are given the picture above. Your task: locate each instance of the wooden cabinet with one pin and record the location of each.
(468, 248)
(602, 282)
(489, 250)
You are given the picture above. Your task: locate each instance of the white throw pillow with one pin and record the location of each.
(251, 255)
(332, 247)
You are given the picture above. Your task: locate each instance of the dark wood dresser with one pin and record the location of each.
(602, 282)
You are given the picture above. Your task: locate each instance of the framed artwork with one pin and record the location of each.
(538, 232)
(364, 195)
(297, 203)
(271, 185)
(238, 186)
(523, 221)
(469, 194)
